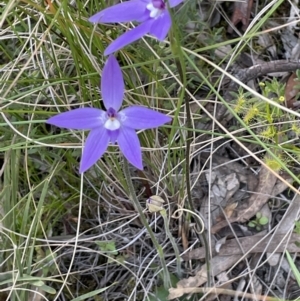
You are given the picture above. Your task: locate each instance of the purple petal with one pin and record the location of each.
(123, 12)
(112, 84)
(130, 147)
(79, 119)
(139, 118)
(113, 135)
(95, 146)
(174, 3)
(161, 26)
(129, 37)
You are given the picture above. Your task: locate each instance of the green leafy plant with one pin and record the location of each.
(293, 267)
(259, 221)
(254, 109)
(272, 124)
(297, 227)
(297, 230)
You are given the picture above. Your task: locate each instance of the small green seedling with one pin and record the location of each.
(259, 222)
(297, 227)
(297, 230)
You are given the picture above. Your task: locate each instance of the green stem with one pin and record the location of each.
(180, 64)
(172, 240)
(139, 209)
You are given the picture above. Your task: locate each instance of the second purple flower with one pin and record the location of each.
(152, 14)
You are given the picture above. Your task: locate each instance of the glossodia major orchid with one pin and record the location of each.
(152, 14)
(112, 125)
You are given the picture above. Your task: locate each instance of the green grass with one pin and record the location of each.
(52, 217)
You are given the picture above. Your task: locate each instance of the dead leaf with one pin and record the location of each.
(286, 225)
(265, 40)
(241, 14)
(218, 264)
(219, 243)
(230, 209)
(256, 287)
(291, 90)
(258, 243)
(245, 211)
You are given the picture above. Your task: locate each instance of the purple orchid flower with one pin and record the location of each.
(110, 125)
(152, 14)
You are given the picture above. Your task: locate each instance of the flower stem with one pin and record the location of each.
(163, 213)
(180, 64)
(139, 209)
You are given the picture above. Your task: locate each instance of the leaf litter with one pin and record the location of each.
(229, 189)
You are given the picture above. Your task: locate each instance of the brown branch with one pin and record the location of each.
(247, 74)
(262, 69)
(259, 243)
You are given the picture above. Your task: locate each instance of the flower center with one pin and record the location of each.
(112, 123)
(156, 8)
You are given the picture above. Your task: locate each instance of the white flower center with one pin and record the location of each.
(112, 124)
(154, 11)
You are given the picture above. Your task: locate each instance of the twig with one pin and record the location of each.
(178, 292)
